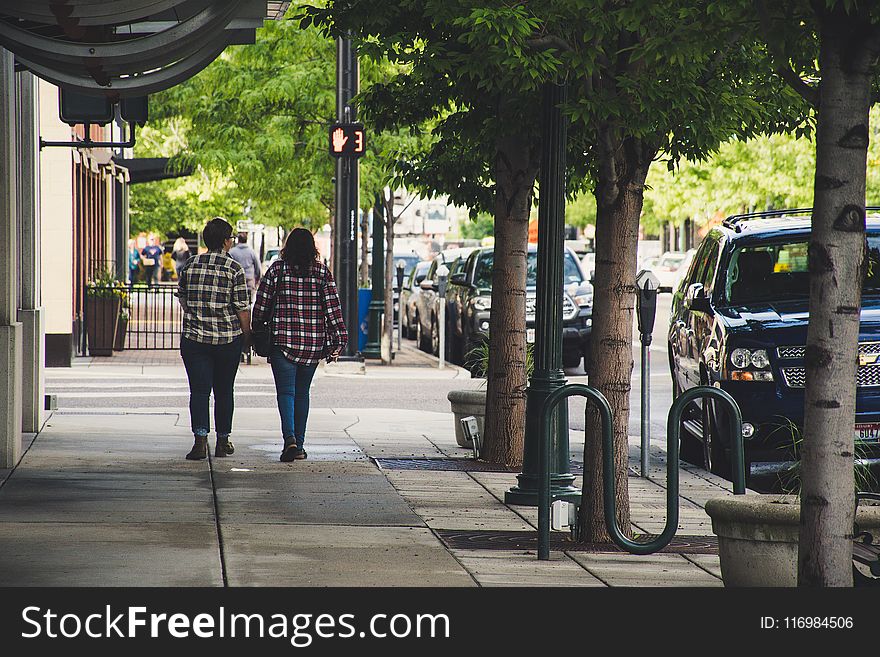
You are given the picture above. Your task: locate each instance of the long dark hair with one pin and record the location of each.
(300, 252)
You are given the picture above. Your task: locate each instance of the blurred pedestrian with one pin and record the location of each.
(244, 255)
(216, 327)
(134, 261)
(297, 297)
(151, 257)
(180, 254)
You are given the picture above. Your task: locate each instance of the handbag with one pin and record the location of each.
(261, 334)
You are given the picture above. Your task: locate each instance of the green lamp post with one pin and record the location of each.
(373, 348)
(548, 374)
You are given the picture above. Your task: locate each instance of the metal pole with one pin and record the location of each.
(646, 409)
(442, 330)
(373, 348)
(548, 375)
(347, 200)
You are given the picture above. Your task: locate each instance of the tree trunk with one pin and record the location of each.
(836, 260)
(388, 318)
(619, 196)
(515, 169)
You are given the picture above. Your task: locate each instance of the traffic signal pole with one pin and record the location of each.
(347, 199)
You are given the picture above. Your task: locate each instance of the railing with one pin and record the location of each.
(120, 317)
(609, 478)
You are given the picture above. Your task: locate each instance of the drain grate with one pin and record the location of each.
(520, 540)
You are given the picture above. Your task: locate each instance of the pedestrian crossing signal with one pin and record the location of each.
(347, 140)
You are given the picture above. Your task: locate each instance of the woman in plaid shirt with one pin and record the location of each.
(298, 297)
(216, 323)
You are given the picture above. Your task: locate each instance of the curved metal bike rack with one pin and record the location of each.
(609, 481)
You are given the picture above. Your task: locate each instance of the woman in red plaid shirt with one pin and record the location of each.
(297, 296)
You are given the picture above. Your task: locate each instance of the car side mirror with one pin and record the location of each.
(428, 284)
(697, 299)
(458, 279)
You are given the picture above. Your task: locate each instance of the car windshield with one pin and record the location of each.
(779, 271)
(483, 275)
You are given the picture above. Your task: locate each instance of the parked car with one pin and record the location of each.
(409, 260)
(667, 268)
(683, 268)
(427, 312)
(470, 303)
(409, 297)
(739, 322)
(270, 256)
(588, 264)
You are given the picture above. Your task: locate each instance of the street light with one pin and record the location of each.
(442, 275)
(401, 264)
(646, 308)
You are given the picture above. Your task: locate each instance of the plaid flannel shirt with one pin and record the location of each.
(307, 320)
(212, 291)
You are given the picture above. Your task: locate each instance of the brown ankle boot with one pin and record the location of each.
(224, 448)
(199, 449)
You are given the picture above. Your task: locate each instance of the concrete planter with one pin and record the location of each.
(758, 537)
(464, 403)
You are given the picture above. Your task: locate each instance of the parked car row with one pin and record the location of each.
(469, 304)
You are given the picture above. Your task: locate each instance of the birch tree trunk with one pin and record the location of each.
(836, 261)
(515, 168)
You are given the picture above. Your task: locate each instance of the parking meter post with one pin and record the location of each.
(647, 285)
(442, 282)
(400, 266)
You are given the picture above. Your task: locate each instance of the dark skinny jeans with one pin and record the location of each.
(210, 367)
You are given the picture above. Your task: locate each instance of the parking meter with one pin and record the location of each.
(442, 280)
(401, 265)
(646, 303)
(647, 285)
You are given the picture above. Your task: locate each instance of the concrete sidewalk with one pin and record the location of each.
(104, 497)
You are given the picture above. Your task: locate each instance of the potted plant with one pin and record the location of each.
(468, 402)
(758, 534)
(124, 314)
(103, 304)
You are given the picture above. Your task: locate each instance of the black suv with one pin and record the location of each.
(739, 322)
(469, 302)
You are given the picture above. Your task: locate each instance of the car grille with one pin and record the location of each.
(568, 307)
(868, 376)
(790, 353)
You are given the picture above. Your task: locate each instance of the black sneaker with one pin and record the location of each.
(289, 453)
(299, 454)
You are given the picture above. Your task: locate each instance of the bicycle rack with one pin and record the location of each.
(673, 431)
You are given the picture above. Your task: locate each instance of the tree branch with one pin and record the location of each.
(796, 82)
(549, 41)
(783, 68)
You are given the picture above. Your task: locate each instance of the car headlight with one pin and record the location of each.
(760, 359)
(741, 358)
(483, 303)
(583, 299)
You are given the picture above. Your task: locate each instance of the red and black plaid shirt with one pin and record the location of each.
(307, 320)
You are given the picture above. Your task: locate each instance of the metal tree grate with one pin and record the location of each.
(460, 465)
(525, 540)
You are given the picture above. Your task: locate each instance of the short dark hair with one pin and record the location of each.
(242, 238)
(216, 232)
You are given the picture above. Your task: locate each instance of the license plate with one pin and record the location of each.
(868, 433)
(530, 337)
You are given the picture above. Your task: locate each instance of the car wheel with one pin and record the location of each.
(435, 338)
(571, 361)
(690, 448)
(714, 458)
(420, 335)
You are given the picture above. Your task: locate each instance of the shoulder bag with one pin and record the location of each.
(261, 334)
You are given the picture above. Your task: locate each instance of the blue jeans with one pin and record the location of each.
(210, 367)
(292, 383)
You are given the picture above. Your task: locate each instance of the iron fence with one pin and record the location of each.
(119, 317)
